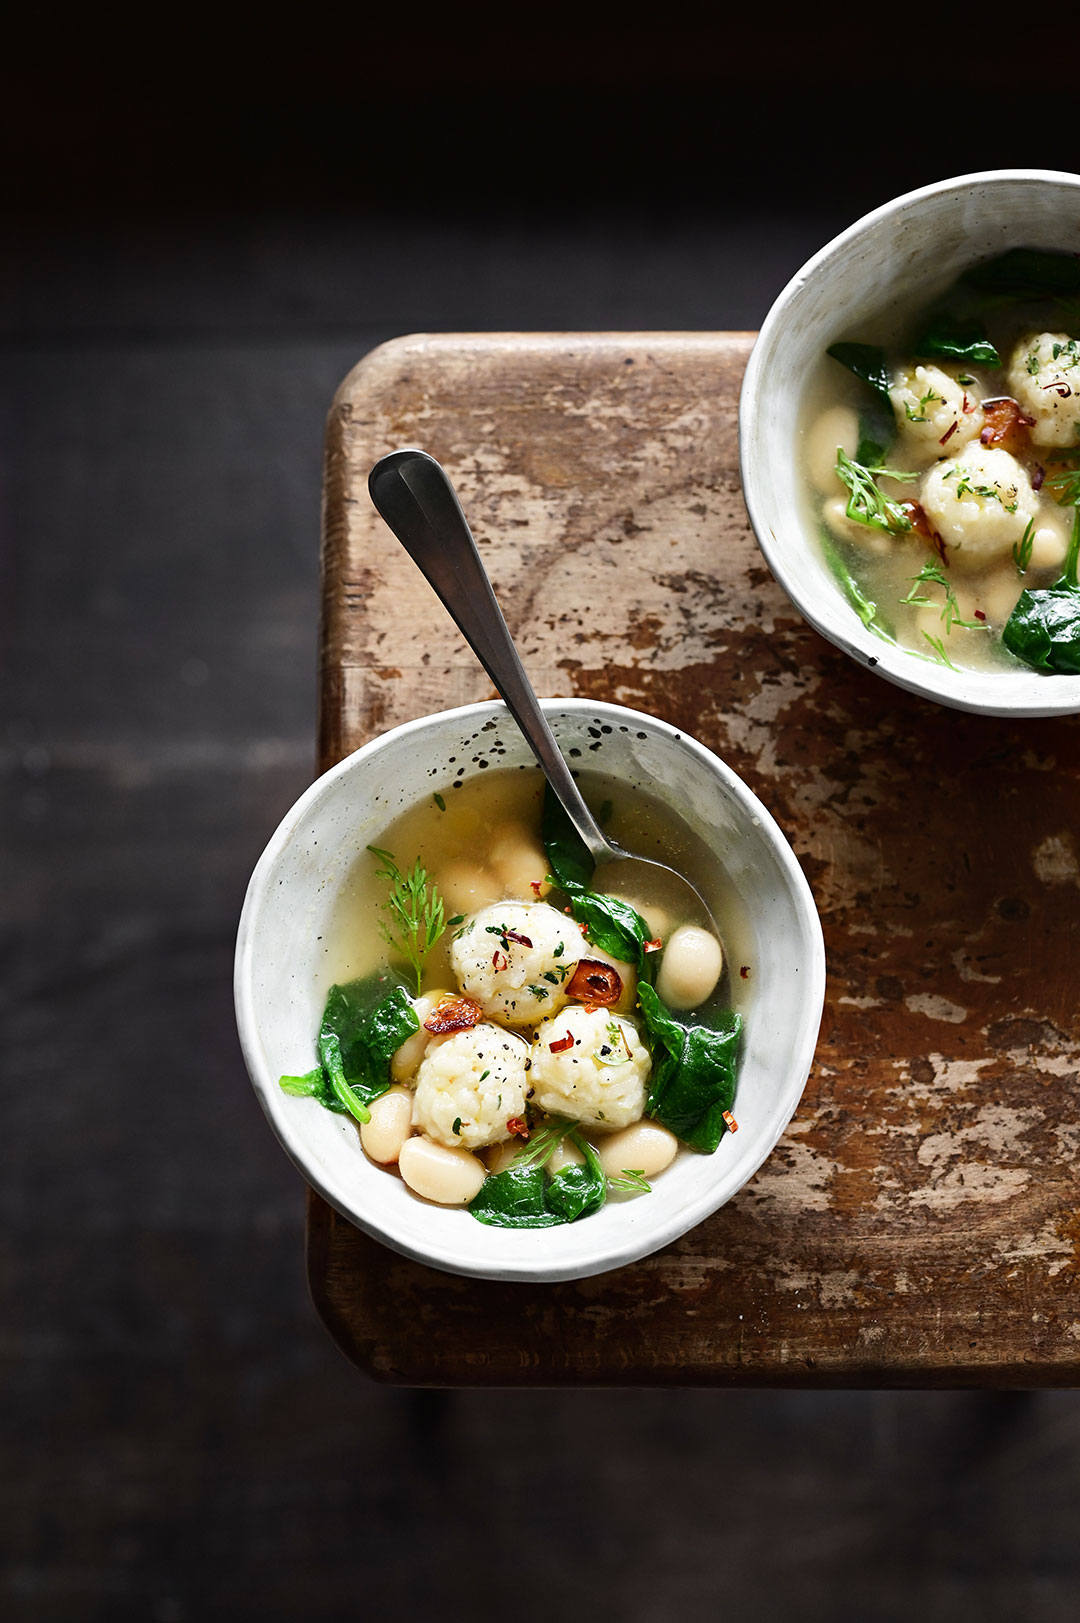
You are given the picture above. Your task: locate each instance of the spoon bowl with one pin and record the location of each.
(413, 494)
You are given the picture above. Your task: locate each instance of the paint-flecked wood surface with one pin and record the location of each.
(918, 1222)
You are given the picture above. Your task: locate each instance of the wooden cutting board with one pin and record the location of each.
(917, 1224)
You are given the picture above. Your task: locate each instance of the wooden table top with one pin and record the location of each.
(917, 1225)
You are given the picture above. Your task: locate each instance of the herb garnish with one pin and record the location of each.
(951, 611)
(632, 1182)
(417, 916)
(1022, 549)
(866, 503)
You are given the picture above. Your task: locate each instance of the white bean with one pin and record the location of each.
(837, 426)
(1048, 547)
(565, 1154)
(690, 967)
(465, 887)
(449, 1177)
(499, 1156)
(389, 1127)
(644, 1147)
(517, 859)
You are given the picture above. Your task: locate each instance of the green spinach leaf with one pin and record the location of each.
(1044, 628)
(569, 858)
(577, 1191)
(864, 607)
(867, 361)
(955, 338)
(693, 1079)
(363, 1025)
(515, 1199)
(612, 925)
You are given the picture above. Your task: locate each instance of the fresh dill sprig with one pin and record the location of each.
(939, 649)
(632, 1182)
(417, 915)
(1065, 486)
(1022, 549)
(866, 503)
(951, 611)
(541, 1146)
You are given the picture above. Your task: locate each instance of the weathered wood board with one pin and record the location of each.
(918, 1223)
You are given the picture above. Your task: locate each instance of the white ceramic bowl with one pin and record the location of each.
(906, 252)
(281, 981)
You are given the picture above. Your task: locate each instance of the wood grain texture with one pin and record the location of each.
(917, 1224)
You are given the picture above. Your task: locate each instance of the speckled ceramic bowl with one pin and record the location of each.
(281, 980)
(918, 244)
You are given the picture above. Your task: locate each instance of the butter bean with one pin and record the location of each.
(518, 861)
(448, 1177)
(643, 1147)
(690, 967)
(565, 1154)
(389, 1127)
(405, 1060)
(465, 887)
(499, 1156)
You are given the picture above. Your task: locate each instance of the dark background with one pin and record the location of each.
(211, 215)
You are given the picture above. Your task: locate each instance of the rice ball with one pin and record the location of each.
(980, 502)
(1044, 376)
(470, 1085)
(935, 413)
(598, 1077)
(515, 958)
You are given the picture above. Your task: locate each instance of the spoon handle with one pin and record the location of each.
(413, 494)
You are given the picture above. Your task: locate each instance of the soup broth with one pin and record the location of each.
(938, 485)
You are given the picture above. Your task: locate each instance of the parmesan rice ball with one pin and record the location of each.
(599, 1079)
(929, 405)
(980, 502)
(515, 958)
(1044, 376)
(475, 1081)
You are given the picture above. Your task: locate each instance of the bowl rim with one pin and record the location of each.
(635, 1245)
(1050, 695)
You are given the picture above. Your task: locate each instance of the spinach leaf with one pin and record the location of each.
(578, 1191)
(1044, 628)
(693, 1079)
(864, 607)
(345, 1100)
(515, 1199)
(955, 338)
(612, 925)
(877, 422)
(369, 1029)
(568, 856)
(1027, 273)
(362, 1027)
(867, 361)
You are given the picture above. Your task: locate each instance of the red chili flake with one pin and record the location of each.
(536, 885)
(595, 983)
(732, 1124)
(979, 615)
(453, 1014)
(584, 928)
(499, 961)
(1037, 477)
(518, 1126)
(653, 946)
(969, 405)
(745, 972)
(1060, 387)
(561, 1044)
(512, 935)
(949, 432)
(1005, 424)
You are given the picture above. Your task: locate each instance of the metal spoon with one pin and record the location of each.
(414, 495)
